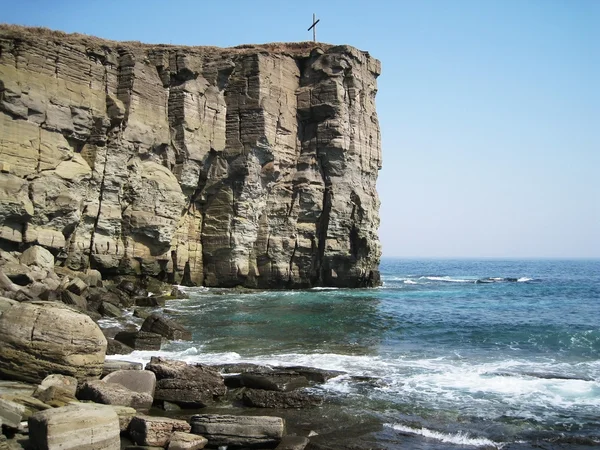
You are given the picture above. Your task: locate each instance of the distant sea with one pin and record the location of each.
(446, 354)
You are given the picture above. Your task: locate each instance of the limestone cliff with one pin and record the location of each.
(252, 166)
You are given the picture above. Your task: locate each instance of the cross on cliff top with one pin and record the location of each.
(314, 27)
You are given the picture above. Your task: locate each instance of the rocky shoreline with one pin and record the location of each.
(58, 390)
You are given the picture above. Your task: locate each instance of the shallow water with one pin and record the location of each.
(453, 353)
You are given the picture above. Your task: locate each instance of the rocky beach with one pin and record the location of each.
(57, 390)
(126, 168)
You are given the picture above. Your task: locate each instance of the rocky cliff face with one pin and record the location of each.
(251, 166)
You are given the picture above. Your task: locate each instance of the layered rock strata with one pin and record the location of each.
(252, 166)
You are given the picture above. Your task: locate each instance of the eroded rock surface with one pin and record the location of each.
(251, 166)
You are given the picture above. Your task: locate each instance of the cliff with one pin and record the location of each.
(252, 166)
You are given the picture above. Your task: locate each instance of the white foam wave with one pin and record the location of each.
(323, 288)
(444, 382)
(410, 282)
(448, 279)
(463, 439)
(523, 279)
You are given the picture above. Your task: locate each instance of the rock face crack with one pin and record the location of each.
(252, 166)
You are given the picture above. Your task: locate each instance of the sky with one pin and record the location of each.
(489, 109)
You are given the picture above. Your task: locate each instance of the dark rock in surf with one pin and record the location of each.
(186, 385)
(275, 381)
(259, 398)
(155, 323)
(140, 340)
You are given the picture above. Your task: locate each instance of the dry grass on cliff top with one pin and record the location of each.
(23, 32)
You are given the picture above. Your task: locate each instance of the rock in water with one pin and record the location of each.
(185, 385)
(259, 398)
(155, 323)
(75, 427)
(253, 166)
(239, 431)
(42, 338)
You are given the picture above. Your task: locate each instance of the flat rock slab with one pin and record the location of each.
(155, 431)
(143, 381)
(112, 365)
(259, 398)
(11, 413)
(238, 431)
(275, 381)
(186, 385)
(76, 427)
(314, 374)
(100, 391)
(186, 441)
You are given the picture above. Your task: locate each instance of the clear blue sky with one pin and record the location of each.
(489, 110)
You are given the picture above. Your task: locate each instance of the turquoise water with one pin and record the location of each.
(454, 353)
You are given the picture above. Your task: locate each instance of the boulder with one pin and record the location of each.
(275, 381)
(42, 338)
(125, 414)
(109, 310)
(6, 283)
(76, 427)
(293, 443)
(152, 302)
(142, 381)
(62, 381)
(18, 274)
(11, 413)
(186, 385)
(114, 347)
(56, 396)
(239, 431)
(37, 256)
(132, 289)
(186, 441)
(155, 431)
(112, 365)
(77, 286)
(259, 398)
(140, 340)
(155, 323)
(100, 391)
(141, 313)
(72, 299)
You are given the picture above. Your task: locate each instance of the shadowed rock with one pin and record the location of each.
(155, 323)
(186, 385)
(259, 398)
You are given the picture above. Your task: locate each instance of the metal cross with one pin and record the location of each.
(314, 27)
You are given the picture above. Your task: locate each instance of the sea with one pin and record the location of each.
(446, 354)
